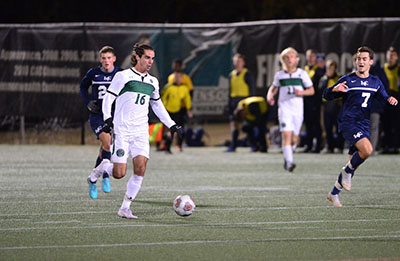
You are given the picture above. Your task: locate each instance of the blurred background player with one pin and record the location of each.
(178, 102)
(241, 85)
(312, 104)
(253, 111)
(357, 89)
(177, 67)
(133, 90)
(391, 116)
(99, 78)
(292, 83)
(331, 109)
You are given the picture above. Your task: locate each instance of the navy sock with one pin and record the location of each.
(105, 154)
(355, 161)
(235, 136)
(335, 191)
(98, 161)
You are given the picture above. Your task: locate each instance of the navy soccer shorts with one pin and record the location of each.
(96, 123)
(353, 133)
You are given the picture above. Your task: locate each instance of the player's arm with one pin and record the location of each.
(307, 92)
(249, 79)
(272, 91)
(335, 91)
(84, 88)
(385, 96)
(159, 109)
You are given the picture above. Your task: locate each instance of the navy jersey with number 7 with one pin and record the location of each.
(357, 101)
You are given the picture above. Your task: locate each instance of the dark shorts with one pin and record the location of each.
(233, 102)
(353, 133)
(96, 123)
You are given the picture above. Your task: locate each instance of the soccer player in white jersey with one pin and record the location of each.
(132, 90)
(292, 83)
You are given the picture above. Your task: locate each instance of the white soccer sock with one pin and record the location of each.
(105, 165)
(294, 147)
(288, 154)
(132, 189)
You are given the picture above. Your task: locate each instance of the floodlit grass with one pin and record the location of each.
(248, 207)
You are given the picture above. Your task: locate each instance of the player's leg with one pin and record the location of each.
(364, 150)
(105, 139)
(139, 150)
(287, 150)
(234, 127)
(96, 124)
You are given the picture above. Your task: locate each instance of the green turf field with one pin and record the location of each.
(248, 208)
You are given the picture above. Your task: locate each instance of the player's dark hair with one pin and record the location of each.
(106, 49)
(138, 49)
(365, 49)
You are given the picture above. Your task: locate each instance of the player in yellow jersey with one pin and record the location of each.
(253, 111)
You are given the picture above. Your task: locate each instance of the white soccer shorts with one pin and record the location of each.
(134, 145)
(290, 122)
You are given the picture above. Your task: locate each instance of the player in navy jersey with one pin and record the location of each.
(99, 78)
(357, 89)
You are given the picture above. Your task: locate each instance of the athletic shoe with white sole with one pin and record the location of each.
(346, 180)
(92, 189)
(334, 199)
(106, 185)
(126, 213)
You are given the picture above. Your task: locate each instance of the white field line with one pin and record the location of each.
(202, 210)
(210, 209)
(198, 242)
(118, 225)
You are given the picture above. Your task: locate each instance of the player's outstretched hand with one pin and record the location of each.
(93, 107)
(392, 100)
(108, 125)
(178, 129)
(341, 87)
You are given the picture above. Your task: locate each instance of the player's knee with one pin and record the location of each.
(366, 152)
(119, 173)
(140, 170)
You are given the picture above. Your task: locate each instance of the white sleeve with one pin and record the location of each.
(159, 109)
(111, 94)
(161, 112)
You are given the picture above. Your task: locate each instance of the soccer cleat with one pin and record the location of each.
(334, 199)
(229, 149)
(289, 166)
(126, 213)
(346, 180)
(92, 189)
(106, 185)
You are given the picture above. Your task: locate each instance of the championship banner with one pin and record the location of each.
(42, 64)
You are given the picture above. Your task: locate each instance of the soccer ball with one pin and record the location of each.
(184, 205)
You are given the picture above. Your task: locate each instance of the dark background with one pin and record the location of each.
(189, 11)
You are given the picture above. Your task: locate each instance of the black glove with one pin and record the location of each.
(108, 125)
(93, 107)
(178, 129)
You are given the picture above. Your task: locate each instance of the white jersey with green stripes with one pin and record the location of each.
(288, 102)
(132, 92)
